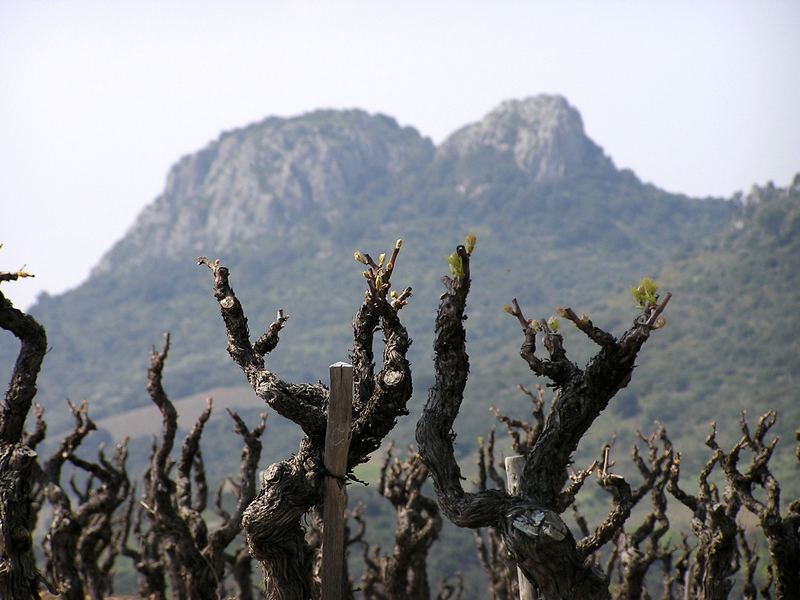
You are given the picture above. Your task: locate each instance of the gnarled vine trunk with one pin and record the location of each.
(530, 525)
(273, 521)
(19, 577)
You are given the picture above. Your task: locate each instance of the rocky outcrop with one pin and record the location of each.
(543, 135)
(283, 173)
(276, 173)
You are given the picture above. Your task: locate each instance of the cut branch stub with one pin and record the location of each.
(19, 577)
(379, 275)
(22, 387)
(302, 403)
(380, 398)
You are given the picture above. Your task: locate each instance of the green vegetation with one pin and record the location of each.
(645, 292)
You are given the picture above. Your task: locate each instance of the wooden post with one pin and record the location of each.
(515, 465)
(337, 443)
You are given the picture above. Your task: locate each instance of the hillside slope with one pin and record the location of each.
(735, 342)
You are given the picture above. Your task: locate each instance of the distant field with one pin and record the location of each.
(146, 420)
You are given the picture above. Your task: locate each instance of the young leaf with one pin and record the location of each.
(470, 241)
(456, 265)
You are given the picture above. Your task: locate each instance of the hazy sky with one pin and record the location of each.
(99, 99)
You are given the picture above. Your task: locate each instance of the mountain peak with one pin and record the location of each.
(535, 108)
(267, 176)
(543, 135)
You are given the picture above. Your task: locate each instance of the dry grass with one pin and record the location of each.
(146, 420)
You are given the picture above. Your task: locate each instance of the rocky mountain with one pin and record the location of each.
(265, 178)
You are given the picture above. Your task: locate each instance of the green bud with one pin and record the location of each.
(456, 265)
(359, 257)
(554, 324)
(470, 242)
(645, 293)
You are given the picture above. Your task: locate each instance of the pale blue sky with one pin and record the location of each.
(99, 99)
